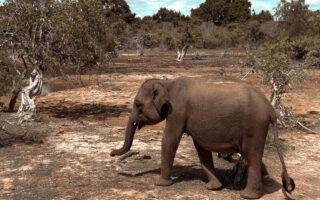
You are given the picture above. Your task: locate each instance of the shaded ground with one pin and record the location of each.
(80, 125)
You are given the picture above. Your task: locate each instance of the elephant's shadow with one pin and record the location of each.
(226, 176)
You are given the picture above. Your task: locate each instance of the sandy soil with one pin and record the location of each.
(80, 126)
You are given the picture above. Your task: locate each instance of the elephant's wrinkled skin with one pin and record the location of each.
(220, 115)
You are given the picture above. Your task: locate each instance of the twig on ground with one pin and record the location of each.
(249, 72)
(306, 128)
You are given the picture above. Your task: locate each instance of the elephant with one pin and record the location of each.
(221, 115)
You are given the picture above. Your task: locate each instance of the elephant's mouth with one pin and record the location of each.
(140, 124)
(141, 121)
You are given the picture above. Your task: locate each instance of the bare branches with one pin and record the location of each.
(279, 81)
(139, 40)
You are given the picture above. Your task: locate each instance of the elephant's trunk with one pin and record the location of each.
(129, 134)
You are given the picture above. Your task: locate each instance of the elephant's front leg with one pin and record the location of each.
(169, 146)
(206, 161)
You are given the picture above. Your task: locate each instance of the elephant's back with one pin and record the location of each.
(224, 96)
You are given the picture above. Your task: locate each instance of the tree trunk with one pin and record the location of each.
(182, 53)
(279, 81)
(140, 45)
(29, 94)
(14, 97)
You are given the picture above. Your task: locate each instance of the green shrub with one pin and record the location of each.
(313, 58)
(7, 74)
(270, 57)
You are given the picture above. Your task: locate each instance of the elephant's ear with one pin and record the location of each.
(161, 100)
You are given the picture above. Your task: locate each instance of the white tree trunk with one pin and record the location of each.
(140, 49)
(29, 94)
(279, 81)
(182, 53)
(139, 41)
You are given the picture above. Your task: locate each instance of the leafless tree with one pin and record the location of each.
(139, 40)
(182, 51)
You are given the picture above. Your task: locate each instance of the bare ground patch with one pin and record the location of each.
(82, 124)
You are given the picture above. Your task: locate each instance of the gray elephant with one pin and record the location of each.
(221, 115)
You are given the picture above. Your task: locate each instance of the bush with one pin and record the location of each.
(313, 58)
(301, 47)
(271, 57)
(6, 74)
(253, 33)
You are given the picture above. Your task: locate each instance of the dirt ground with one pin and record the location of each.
(80, 123)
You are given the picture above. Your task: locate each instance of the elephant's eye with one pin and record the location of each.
(139, 106)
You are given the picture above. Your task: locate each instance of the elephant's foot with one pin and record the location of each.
(163, 182)
(251, 193)
(214, 185)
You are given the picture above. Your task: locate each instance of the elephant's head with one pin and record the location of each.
(151, 106)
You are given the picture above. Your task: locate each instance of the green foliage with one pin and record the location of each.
(118, 9)
(313, 58)
(83, 31)
(301, 46)
(6, 74)
(253, 32)
(53, 33)
(271, 57)
(293, 16)
(172, 37)
(222, 11)
(166, 15)
(263, 16)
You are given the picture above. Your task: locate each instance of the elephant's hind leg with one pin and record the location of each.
(207, 165)
(264, 171)
(256, 169)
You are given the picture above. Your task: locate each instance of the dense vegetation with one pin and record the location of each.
(86, 33)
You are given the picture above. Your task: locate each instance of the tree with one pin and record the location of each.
(166, 15)
(223, 11)
(263, 16)
(293, 16)
(47, 34)
(253, 33)
(115, 9)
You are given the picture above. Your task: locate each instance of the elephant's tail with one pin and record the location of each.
(287, 181)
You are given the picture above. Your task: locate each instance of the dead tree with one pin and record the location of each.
(182, 52)
(139, 40)
(279, 81)
(29, 94)
(184, 41)
(31, 47)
